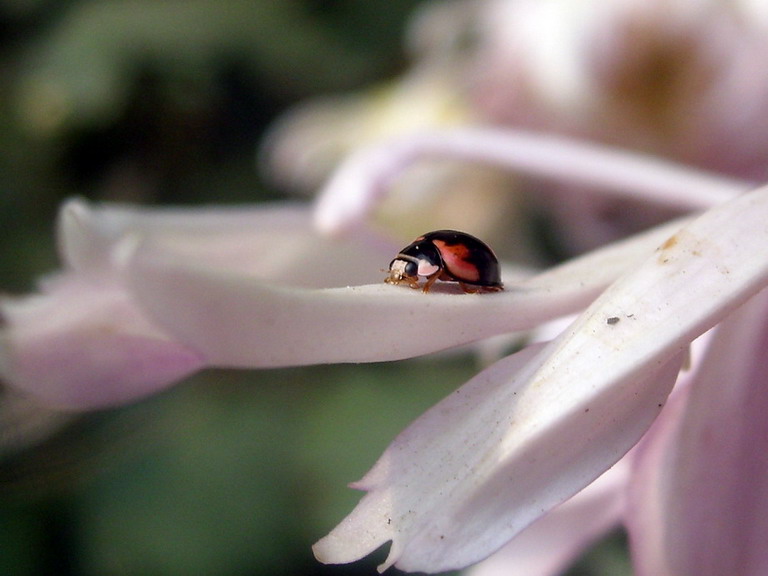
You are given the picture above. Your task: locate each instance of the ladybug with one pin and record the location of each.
(447, 255)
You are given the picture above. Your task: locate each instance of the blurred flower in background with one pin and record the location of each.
(681, 80)
(674, 79)
(164, 103)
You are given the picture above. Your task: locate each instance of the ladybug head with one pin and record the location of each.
(401, 268)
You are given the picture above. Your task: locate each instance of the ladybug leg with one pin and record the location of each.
(430, 280)
(469, 289)
(412, 281)
(478, 289)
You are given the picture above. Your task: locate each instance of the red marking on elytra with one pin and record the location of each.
(455, 257)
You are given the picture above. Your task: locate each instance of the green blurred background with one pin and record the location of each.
(165, 102)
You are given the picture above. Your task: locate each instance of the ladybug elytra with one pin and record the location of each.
(447, 255)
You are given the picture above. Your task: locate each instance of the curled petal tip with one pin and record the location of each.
(337, 548)
(359, 185)
(72, 223)
(339, 207)
(75, 208)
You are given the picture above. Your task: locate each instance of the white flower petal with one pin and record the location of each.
(363, 181)
(481, 465)
(241, 321)
(274, 242)
(84, 343)
(524, 436)
(699, 496)
(549, 545)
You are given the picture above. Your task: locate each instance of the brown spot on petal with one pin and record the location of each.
(671, 242)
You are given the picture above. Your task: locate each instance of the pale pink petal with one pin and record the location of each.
(84, 342)
(699, 496)
(83, 346)
(552, 543)
(533, 430)
(645, 516)
(241, 321)
(364, 180)
(272, 242)
(483, 464)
